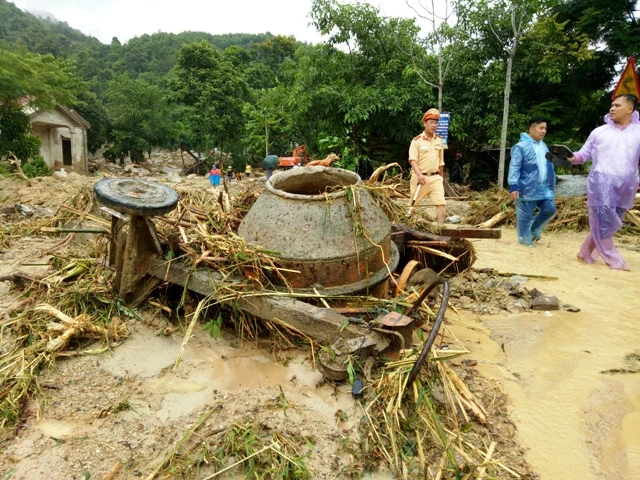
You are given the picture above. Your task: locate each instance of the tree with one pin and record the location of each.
(16, 135)
(358, 90)
(139, 117)
(268, 129)
(213, 92)
(29, 82)
(439, 45)
(39, 81)
(507, 20)
(93, 110)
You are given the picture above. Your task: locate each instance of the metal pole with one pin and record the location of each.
(266, 135)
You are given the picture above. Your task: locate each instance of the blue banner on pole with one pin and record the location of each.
(443, 127)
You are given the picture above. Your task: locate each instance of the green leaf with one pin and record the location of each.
(214, 327)
(351, 371)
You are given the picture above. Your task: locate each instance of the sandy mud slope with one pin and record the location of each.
(574, 399)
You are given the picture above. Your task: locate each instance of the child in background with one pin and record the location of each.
(229, 173)
(214, 175)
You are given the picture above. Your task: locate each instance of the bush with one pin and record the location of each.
(16, 135)
(36, 168)
(5, 169)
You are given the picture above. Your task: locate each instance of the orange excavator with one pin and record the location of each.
(297, 158)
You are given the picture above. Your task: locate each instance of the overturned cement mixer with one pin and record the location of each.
(332, 237)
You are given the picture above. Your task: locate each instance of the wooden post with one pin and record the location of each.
(181, 154)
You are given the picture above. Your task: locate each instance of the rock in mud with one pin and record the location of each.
(545, 302)
(173, 177)
(17, 208)
(509, 285)
(61, 175)
(516, 307)
(570, 308)
(456, 283)
(422, 278)
(533, 293)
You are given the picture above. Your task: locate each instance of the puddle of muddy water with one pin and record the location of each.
(575, 421)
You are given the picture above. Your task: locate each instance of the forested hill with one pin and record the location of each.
(125, 90)
(360, 93)
(155, 54)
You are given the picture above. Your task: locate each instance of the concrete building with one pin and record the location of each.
(63, 133)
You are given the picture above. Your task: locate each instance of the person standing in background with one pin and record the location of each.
(269, 163)
(214, 175)
(426, 158)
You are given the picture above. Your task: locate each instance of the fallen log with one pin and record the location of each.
(398, 229)
(470, 232)
(18, 164)
(493, 221)
(379, 171)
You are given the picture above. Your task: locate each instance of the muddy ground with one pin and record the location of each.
(572, 378)
(562, 416)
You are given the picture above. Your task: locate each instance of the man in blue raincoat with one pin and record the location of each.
(532, 183)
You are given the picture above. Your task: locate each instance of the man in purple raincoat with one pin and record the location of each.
(613, 179)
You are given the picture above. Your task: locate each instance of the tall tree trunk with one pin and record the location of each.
(516, 25)
(440, 82)
(505, 119)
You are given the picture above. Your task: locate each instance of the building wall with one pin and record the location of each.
(42, 132)
(51, 128)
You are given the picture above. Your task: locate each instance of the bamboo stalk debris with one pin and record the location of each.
(633, 216)
(201, 233)
(73, 230)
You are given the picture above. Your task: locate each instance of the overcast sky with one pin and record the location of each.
(125, 19)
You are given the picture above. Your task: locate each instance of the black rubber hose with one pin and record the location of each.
(436, 325)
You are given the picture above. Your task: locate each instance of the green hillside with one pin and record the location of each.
(360, 93)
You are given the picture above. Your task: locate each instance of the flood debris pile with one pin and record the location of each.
(492, 207)
(437, 427)
(60, 313)
(444, 255)
(489, 292)
(631, 365)
(251, 447)
(201, 232)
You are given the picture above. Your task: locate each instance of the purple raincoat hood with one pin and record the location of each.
(635, 118)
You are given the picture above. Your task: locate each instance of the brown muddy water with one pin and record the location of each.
(575, 421)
